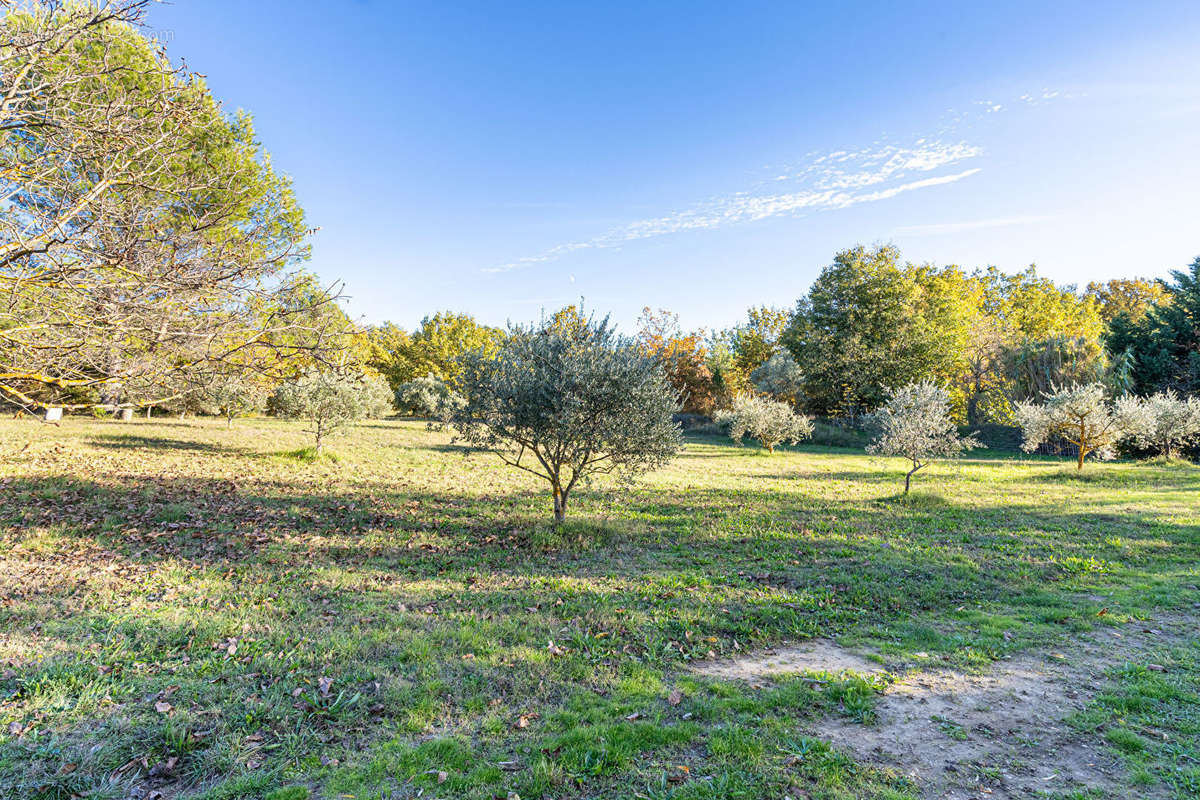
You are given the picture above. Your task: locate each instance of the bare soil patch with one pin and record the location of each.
(815, 655)
(997, 735)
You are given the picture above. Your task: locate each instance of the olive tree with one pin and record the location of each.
(914, 423)
(779, 376)
(771, 422)
(565, 403)
(1083, 416)
(330, 400)
(234, 394)
(425, 397)
(1169, 422)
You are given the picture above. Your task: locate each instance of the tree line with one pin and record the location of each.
(871, 323)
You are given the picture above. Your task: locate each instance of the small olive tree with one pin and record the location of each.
(565, 403)
(329, 401)
(779, 376)
(234, 395)
(914, 423)
(425, 397)
(771, 422)
(1082, 416)
(1169, 423)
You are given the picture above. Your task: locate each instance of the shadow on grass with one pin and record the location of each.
(427, 605)
(133, 441)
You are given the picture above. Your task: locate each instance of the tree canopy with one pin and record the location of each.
(915, 424)
(565, 402)
(146, 233)
(870, 322)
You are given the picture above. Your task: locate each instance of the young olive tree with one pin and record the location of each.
(235, 394)
(914, 423)
(567, 402)
(1082, 416)
(1170, 422)
(770, 421)
(425, 397)
(779, 376)
(329, 401)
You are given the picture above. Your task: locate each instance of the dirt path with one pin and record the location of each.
(997, 736)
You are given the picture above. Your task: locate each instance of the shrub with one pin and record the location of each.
(830, 434)
(914, 423)
(1082, 416)
(769, 421)
(329, 401)
(566, 402)
(425, 397)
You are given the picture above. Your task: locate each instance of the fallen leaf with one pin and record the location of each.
(162, 707)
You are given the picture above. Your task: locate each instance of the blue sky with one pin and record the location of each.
(704, 157)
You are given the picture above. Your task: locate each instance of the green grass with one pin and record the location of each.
(183, 607)
(1150, 714)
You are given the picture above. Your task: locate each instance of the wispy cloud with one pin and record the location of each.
(828, 181)
(941, 228)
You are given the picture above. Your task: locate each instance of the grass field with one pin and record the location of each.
(191, 611)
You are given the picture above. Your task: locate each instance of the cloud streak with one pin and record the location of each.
(942, 228)
(829, 181)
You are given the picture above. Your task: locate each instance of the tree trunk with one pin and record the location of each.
(560, 505)
(1082, 449)
(228, 423)
(908, 477)
(973, 406)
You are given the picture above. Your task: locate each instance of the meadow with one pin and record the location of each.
(193, 611)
